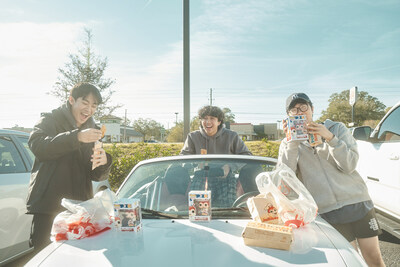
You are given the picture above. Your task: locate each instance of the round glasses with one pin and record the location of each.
(302, 108)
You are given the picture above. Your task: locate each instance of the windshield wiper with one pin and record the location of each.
(244, 209)
(232, 212)
(148, 214)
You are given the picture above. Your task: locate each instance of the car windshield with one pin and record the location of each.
(163, 186)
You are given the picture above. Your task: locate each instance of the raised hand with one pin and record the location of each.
(89, 135)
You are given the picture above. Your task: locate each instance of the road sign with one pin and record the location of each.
(353, 96)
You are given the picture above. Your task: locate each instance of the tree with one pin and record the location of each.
(176, 133)
(86, 66)
(229, 116)
(148, 127)
(366, 108)
(195, 123)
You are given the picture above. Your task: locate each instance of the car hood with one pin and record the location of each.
(184, 243)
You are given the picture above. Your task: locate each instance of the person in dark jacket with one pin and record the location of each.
(66, 162)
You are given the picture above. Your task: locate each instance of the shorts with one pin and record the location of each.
(367, 226)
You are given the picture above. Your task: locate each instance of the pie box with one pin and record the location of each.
(267, 235)
(200, 205)
(263, 208)
(297, 128)
(127, 215)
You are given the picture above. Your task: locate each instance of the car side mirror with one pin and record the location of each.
(362, 133)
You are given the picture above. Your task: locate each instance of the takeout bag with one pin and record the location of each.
(295, 205)
(82, 219)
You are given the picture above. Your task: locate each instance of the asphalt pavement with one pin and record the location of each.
(390, 249)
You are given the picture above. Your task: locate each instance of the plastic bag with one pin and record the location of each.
(82, 219)
(296, 206)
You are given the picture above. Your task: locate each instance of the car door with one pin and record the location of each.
(14, 180)
(383, 177)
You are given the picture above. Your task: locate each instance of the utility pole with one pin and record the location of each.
(211, 97)
(125, 128)
(186, 69)
(176, 119)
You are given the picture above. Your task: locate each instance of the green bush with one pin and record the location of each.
(126, 156)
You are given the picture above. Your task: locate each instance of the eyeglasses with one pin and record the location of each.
(295, 111)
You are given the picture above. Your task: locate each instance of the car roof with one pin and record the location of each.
(13, 132)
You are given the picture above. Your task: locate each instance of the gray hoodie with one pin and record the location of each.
(327, 170)
(223, 142)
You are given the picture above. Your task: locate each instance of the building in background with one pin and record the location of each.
(250, 132)
(244, 130)
(117, 133)
(267, 130)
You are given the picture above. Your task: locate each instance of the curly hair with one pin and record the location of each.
(212, 111)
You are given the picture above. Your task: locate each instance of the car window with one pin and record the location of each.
(390, 128)
(163, 186)
(10, 159)
(24, 142)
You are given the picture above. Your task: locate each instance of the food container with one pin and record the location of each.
(267, 235)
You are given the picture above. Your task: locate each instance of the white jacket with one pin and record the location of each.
(327, 170)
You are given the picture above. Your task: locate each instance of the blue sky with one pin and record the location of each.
(253, 54)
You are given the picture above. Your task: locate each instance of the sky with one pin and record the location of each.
(250, 54)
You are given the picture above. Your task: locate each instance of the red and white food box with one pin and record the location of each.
(314, 139)
(127, 214)
(263, 209)
(200, 206)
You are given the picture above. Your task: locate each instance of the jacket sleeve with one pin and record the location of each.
(102, 172)
(343, 149)
(188, 147)
(289, 154)
(46, 144)
(240, 147)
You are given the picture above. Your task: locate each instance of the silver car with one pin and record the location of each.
(167, 237)
(16, 161)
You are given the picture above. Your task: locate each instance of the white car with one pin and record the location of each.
(379, 165)
(168, 238)
(16, 161)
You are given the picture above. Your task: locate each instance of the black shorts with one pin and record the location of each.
(363, 228)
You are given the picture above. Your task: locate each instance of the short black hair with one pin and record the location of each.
(212, 111)
(83, 90)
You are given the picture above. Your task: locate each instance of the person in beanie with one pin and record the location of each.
(63, 145)
(328, 171)
(212, 137)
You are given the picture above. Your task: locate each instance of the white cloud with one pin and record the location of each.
(30, 54)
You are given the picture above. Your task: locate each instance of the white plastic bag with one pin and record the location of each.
(296, 206)
(82, 219)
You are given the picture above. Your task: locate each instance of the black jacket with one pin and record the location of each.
(62, 167)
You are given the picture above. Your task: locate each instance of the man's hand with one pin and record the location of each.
(315, 128)
(89, 135)
(99, 157)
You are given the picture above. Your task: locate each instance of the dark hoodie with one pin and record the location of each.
(62, 167)
(223, 142)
